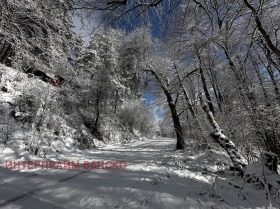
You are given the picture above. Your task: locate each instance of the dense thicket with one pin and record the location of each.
(36, 33)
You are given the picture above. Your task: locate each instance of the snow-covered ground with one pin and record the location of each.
(155, 176)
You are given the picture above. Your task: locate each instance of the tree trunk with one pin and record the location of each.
(236, 158)
(268, 55)
(178, 128)
(6, 52)
(176, 120)
(97, 109)
(116, 102)
(274, 82)
(180, 145)
(216, 88)
(261, 80)
(260, 27)
(187, 98)
(204, 85)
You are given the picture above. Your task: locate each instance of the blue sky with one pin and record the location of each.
(150, 99)
(155, 25)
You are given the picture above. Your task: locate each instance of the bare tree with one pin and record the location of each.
(164, 83)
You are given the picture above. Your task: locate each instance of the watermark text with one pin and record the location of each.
(64, 165)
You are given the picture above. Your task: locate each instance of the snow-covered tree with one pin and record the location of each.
(133, 54)
(36, 33)
(138, 116)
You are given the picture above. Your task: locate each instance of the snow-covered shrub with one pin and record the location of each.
(263, 174)
(26, 108)
(136, 115)
(114, 131)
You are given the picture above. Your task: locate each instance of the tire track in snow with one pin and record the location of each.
(146, 196)
(29, 194)
(17, 179)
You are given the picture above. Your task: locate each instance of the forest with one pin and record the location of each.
(204, 73)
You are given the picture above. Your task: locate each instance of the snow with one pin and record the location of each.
(156, 176)
(58, 129)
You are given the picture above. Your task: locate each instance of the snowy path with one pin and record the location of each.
(144, 183)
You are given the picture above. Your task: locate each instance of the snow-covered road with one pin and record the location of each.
(144, 183)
